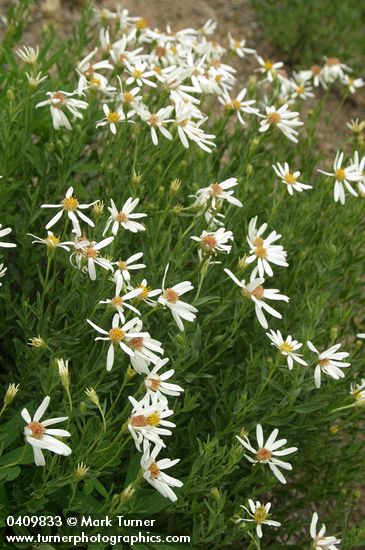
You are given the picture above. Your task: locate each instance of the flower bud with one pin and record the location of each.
(81, 471)
(37, 342)
(10, 394)
(93, 396)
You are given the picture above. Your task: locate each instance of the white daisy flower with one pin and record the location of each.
(171, 299)
(156, 383)
(259, 514)
(358, 391)
(238, 104)
(239, 46)
(290, 178)
(157, 121)
(146, 293)
(4, 232)
(353, 84)
(287, 347)
(266, 453)
(59, 100)
(120, 54)
(258, 294)
(123, 268)
(71, 206)
(112, 118)
(51, 241)
(89, 252)
(286, 121)
(333, 69)
(214, 241)
(153, 472)
(147, 421)
(40, 437)
(216, 193)
(130, 99)
(263, 250)
(139, 74)
(145, 349)
(268, 67)
(121, 302)
(330, 362)
(299, 88)
(88, 72)
(343, 177)
(116, 336)
(189, 129)
(124, 217)
(320, 542)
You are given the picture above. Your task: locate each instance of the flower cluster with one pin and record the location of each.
(150, 92)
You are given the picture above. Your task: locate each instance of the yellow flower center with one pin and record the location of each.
(90, 252)
(95, 82)
(153, 419)
(273, 118)
(122, 265)
(258, 292)
(258, 241)
(61, 99)
(331, 61)
(316, 70)
(121, 217)
(263, 454)
(183, 122)
(268, 65)
(153, 120)
(117, 301)
(215, 63)
(37, 429)
(52, 241)
(236, 104)
(160, 51)
(154, 383)
(137, 342)
(260, 514)
(113, 116)
(70, 203)
(141, 24)
(128, 97)
(340, 174)
(116, 335)
(171, 295)
(300, 90)
(137, 74)
(285, 346)
(215, 189)
(324, 362)
(145, 291)
(154, 469)
(209, 242)
(261, 251)
(290, 178)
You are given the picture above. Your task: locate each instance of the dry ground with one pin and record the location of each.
(236, 16)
